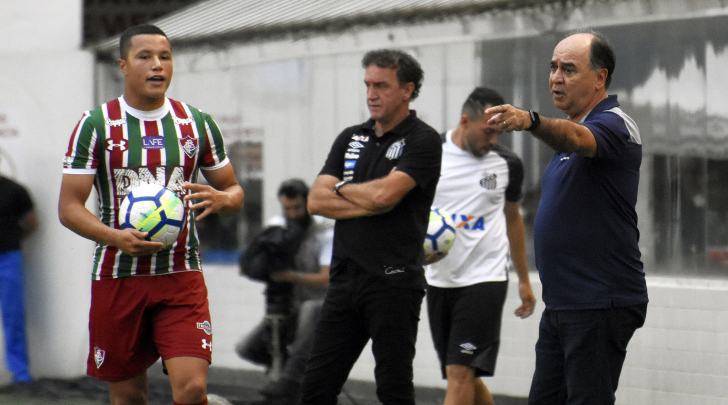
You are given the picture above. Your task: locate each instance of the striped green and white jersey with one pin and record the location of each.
(125, 147)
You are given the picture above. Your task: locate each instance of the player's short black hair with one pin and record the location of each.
(601, 53)
(125, 39)
(407, 67)
(478, 100)
(293, 188)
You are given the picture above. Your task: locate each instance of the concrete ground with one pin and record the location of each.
(240, 387)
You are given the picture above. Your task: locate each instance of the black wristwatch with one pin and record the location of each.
(339, 185)
(535, 120)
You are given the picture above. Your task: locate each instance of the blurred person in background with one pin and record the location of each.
(17, 221)
(307, 281)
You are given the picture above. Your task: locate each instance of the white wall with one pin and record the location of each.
(46, 82)
(303, 92)
(679, 357)
(293, 89)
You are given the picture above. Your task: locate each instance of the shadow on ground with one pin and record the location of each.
(240, 387)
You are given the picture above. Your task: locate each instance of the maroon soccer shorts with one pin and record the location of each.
(135, 320)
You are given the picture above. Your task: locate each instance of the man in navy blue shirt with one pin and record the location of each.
(586, 235)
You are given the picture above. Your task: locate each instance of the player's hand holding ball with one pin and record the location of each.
(440, 236)
(153, 213)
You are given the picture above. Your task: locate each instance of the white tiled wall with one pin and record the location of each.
(679, 357)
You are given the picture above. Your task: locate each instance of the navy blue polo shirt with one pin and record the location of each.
(586, 235)
(387, 246)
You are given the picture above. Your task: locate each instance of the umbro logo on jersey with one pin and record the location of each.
(115, 123)
(356, 145)
(564, 158)
(99, 356)
(360, 138)
(468, 348)
(189, 145)
(121, 145)
(183, 121)
(153, 142)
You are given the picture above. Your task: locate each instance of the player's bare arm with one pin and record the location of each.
(358, 199)
(562, 135)
(72, 211)
(323, 200)
(380, 195)
(317, 280)
(517, 241)
(224, 195)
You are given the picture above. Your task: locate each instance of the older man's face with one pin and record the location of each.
(574, 85)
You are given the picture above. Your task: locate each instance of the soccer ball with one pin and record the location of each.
(440, 232)
(155, 209)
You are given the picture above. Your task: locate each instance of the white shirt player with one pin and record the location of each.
(472, 190)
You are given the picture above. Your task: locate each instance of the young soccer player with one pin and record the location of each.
(147, 301)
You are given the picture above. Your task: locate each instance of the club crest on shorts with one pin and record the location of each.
(205, 326)
(99, 356)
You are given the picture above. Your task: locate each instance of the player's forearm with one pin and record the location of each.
(323, 200)
(517, 241)
(372, 196)
(82, 222)
(565, 136)
(317, 280)
(329, 204)
(233, 201)
(379, 195)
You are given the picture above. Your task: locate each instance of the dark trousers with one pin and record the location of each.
(580, 353)
(357, 309)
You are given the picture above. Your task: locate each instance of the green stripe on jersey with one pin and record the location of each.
(104, 187)
(171, 142)
(216, 137)
(162, 263)
(135, 141)
(125, 265)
